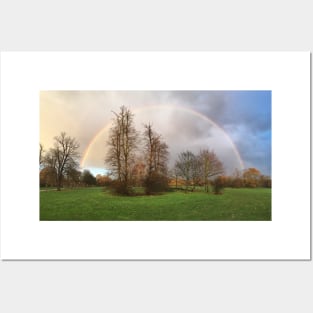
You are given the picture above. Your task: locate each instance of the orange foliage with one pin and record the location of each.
(103, 180)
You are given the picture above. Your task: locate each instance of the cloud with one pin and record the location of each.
(245, 116)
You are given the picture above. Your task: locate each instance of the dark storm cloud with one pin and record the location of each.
(230, 108)
(210, 103)
(245, 115)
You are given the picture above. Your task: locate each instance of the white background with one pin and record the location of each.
(156, 286)
(23, 75)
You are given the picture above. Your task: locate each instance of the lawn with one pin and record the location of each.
(95, 204)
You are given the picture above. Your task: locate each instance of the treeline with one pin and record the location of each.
(207, 171)
(71, 179)
(140, 159)
(248, 178)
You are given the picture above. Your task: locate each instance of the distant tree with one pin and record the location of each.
(237, 180)
(265, 181)
(63, 157)
(88, 179)
(219, 183)
(210, 166)
(72, 177)
(196, 174)
(174, 177)
(122, 144)
(48, 174)
(48, 177)
(185, 167)
(251, 177)
(197, 170)
(228, 181)
(103, 180)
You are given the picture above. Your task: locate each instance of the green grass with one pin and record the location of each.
(94, 204)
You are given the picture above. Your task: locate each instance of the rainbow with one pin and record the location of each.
(181, 108)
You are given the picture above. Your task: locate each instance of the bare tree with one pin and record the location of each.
(210, 166)
(156, 154)
(197, 169)
(156, 151)
(63, 156)
(122, 146)
(186, 167)
(48, 176)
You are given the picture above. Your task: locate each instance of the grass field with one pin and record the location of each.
(95, 204)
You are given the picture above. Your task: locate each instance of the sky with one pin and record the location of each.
(236, 125)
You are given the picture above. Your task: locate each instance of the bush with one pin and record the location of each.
(103, 180)
(155, 183)
(121, 188)
(88, 179)
(267, 183)
(237, 182)
(218, 185)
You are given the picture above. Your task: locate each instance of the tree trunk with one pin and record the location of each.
(59, 183)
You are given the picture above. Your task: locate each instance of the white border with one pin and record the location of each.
(24, 74)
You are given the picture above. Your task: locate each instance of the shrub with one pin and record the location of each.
(155, 183)
(103, 180)
(237, 182)
(121, 188)
(266, 182)
(218, 185)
